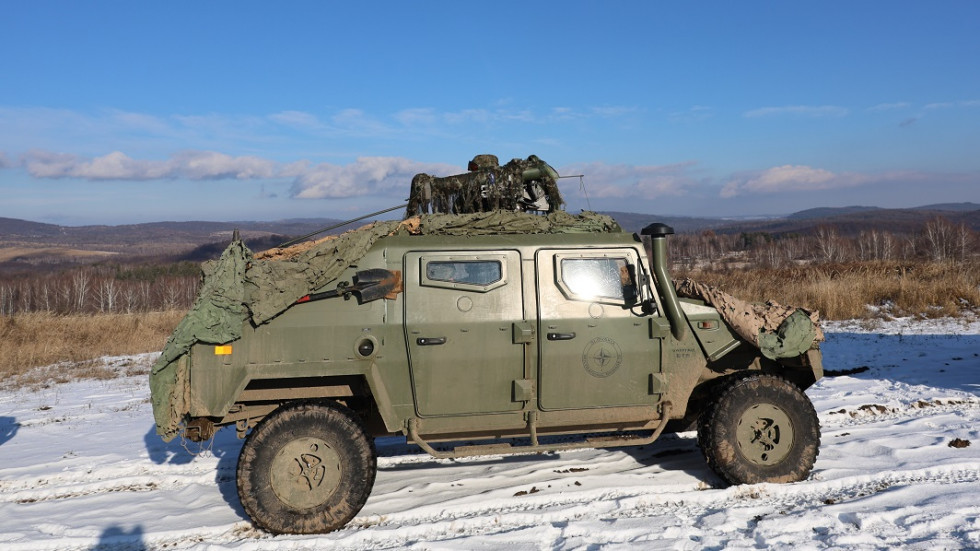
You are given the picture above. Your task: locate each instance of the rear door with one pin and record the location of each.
(460, 309)
(595, 345)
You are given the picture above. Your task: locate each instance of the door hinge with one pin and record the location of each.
(523, 332)
(524, 390)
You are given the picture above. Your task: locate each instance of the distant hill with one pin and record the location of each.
(634, 222)
(13, 226)
(826, 212)
(952, 207)
(24, 242)
(853, 222)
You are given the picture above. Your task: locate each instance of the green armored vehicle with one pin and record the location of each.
(476, 334)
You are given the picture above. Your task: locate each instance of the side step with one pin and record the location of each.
(507, 449)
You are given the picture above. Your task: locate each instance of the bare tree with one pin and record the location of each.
(830, 244)
(107, 294)
(964, 241)
(80, 284)
(940, 237)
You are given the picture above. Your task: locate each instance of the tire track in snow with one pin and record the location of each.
(875, 413)
(448, 521)
(70, 485)
(548, 512)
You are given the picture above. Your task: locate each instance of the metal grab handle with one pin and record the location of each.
(430, 341)
(561, 336)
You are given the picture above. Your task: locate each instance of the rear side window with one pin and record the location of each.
(477, 271)
(470, 272)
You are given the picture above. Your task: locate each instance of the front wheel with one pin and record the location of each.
(307, 468)
(760, 428)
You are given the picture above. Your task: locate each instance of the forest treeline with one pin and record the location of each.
(103, 288)
(719, 258)
(938, 240)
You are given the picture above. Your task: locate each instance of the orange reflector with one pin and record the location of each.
(222, 350)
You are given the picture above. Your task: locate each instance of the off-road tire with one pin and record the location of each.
(307, 468)
(760, 428)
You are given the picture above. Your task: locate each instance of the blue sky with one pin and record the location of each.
(122, 112)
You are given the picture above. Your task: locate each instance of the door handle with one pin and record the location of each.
(561, 336)
(430, 341)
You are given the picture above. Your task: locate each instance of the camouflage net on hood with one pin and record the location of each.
(244, 288)
(778, 331)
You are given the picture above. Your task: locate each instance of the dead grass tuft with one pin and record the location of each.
(73, 344)
(845, 291)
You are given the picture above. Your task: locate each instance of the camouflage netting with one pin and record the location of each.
(778, 331)
(520, 185)
(241, 288)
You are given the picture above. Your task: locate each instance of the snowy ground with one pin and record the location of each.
(81, 468)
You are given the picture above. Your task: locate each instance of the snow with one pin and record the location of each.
(81, 468)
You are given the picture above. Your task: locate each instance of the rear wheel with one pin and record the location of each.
(307, 468)
(760, 428)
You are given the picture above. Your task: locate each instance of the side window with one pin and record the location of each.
(607, 279)
(479, 272)
(473, 272)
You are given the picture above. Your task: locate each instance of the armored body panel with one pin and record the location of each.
(474, 331)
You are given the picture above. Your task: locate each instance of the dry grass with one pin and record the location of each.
(844, 291)
(28, 341)
(838, 291)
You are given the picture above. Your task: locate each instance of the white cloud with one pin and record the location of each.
(813, 111)
(118, 166)
(890, 106)
(800, 178)
(416, 116)
(209, 165)
(192, 165)
(613, 111)
(693, 114)
(639, 182)
(297, 119)
(366, 176)
(779, 179)
(46, 164)
(4, 161)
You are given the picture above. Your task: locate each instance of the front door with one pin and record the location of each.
(595, 344)
(460, 309)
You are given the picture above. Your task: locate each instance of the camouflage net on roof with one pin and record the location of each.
(520, 185)
(242, 288)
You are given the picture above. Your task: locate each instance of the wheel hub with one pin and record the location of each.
(305, 473)
(765, 434)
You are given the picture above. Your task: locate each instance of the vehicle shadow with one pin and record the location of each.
(950, 361)
(116, 538)
(670, 452)
(174, 452)
(8, 429)
(225, 446)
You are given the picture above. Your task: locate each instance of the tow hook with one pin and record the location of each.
(199, 429)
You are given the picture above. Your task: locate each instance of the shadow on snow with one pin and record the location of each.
(8, 429)
(225, 446)
(950, 361)
(116, 538)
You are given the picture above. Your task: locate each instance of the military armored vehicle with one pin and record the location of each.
(479, 333)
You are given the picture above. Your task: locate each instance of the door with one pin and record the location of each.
(460, 311)
(595, 344)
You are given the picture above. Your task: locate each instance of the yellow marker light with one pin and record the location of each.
(222, 350)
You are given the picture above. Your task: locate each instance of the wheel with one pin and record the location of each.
(760, 428)
(307, 468)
